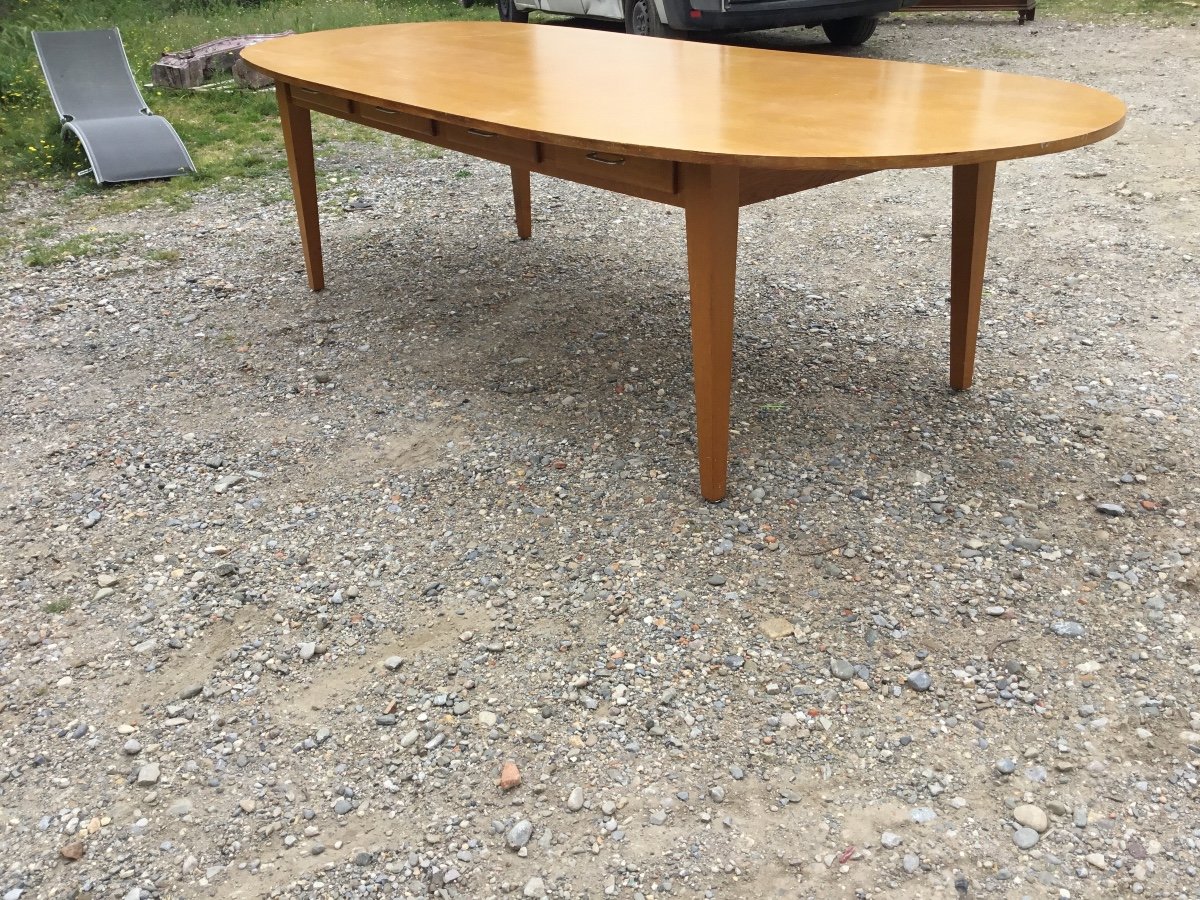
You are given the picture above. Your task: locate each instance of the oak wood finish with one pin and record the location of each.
(522, 207)
(711, 214)
(724, 127)
(297, 141)
(971, 215)
(388, 119)
(757, 185)
(709, 102)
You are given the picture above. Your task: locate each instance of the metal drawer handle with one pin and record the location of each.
(478, 133)
(309, 91)
(607, 160)
(385, 111)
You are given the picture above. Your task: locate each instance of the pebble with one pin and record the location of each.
(919, 680)
(1067, 629)
(225, 482)
(1032, 817)
(392, 663)
(841, 669)
(1006, 766)
(148, 774)
(1025, 838)
(575, 799)
(777, 629)
(132, 747)
(518, 836)
(911, 863)
(308, 650)
(890, 840)
(534, 887)
(510, 776)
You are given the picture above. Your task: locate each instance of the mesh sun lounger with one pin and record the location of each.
(99, 102)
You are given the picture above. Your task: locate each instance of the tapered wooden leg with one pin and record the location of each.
(521, 202)
(297, 140)
(971, 217)
(711, 212)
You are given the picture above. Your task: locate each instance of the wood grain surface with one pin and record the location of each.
(694, 102)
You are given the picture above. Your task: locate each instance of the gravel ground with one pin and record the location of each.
(406, 588)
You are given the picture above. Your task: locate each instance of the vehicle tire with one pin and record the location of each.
(849, 32)
(641, 17)
(509, 12)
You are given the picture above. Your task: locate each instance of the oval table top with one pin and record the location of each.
(695, 102)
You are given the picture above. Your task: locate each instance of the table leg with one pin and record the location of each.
(521, 202)
(971, 216)
(711, 213)
(297, 141)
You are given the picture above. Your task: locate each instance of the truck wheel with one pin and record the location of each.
(641, 17)
(509, 12)
(849, 32)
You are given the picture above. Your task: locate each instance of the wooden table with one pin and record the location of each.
(706, 127)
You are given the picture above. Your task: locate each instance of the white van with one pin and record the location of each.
(847, 23)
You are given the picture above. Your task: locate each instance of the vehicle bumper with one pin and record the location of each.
(750, 15)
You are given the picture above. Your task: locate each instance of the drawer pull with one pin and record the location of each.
(385, 110)
(478, 133)
(605, 159)
(308, 92)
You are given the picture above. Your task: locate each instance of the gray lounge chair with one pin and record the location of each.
(99, 102)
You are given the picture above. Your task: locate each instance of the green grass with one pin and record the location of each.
(231, 133)
(1149, 12)
(39, 253)
(57, 606)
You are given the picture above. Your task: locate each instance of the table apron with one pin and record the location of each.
(648, 178)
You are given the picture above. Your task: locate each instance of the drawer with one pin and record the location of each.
(321, 102)
(604, 168)
(480, 142)
(392, 119)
